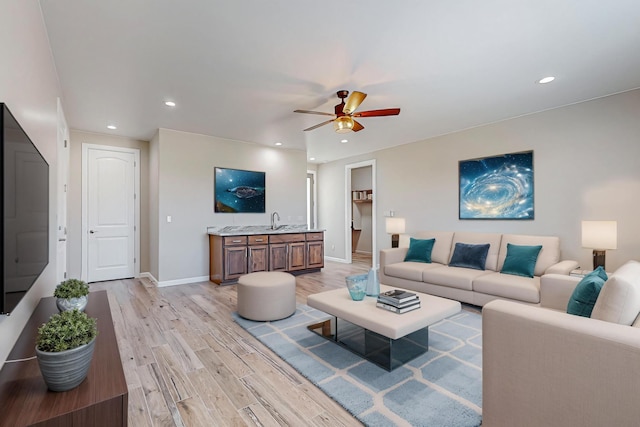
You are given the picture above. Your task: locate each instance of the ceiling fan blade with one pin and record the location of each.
(313, 112)
(357, 126)
(374, 113)
(354, 100)
(320, 124)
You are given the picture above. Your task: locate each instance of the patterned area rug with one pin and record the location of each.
(443, 387)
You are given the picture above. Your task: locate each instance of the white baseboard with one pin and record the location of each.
(182, 281)
(364, 252)
(342, 260)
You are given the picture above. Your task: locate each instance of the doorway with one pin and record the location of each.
(110, 212)
(360, 227)
(312, 210)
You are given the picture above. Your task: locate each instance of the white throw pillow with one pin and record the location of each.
(619, 300)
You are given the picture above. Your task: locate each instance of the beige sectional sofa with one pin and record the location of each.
(544, 367)
(468, 285)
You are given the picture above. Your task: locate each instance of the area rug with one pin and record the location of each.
(443, 387)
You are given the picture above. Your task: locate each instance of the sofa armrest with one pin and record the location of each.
(546, 368)
(392, 256)
(556, 289)
(563, 267)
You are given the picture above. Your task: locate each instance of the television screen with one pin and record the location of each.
(238, 191)
(25, 211)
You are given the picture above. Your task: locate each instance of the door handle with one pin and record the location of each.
(92, 231)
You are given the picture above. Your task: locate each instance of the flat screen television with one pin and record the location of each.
(25, 212)
(239, 191)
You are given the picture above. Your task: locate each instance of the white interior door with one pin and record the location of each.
(110, 181)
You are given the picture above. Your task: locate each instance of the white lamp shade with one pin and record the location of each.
(600, 234)
(395, 225)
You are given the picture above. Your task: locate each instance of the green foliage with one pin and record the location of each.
(65, 331)
(71, 288)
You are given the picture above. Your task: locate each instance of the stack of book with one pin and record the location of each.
(398, 301)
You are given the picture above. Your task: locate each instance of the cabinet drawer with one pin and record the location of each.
(261, 239)
(235, 240)
(286, 238)
(315, 237)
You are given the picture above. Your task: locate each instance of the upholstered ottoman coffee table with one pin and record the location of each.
(387, 339)
(266, 295)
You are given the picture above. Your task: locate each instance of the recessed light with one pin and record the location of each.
(170, 103)
(344, 141)
(278, 143)
(312, 158)
(112, 127)
(546, 80)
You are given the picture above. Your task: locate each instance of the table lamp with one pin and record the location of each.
(395, 227)
(599, 236)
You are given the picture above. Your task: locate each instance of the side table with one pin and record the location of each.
(100, 400)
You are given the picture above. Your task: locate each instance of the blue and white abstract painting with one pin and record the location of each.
(499, 187)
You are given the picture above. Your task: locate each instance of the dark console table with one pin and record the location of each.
(100, 400)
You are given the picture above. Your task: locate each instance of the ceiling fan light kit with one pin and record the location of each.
(343, 124)
(344, 113)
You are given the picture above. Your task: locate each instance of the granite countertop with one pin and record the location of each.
(235, 230)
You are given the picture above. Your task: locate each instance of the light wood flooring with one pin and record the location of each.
(187, 363)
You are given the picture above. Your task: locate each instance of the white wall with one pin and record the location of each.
(29, 87)
(186, 164)
(74, 196)
(154, 204)
(586, 168)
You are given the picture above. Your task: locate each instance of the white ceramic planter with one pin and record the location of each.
(65, 304)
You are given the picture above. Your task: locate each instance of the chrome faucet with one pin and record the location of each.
(273, 220)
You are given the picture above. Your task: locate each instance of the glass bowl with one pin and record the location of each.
(357, 286)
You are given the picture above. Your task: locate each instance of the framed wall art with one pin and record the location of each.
(238, 191)
(497, 187)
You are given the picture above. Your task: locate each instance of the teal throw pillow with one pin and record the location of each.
(469, 256)
(521, 260)
(586, 293)
(420, 250)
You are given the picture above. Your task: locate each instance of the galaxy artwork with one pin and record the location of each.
(239, 191)
(499, 187)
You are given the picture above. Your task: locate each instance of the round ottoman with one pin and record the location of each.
(266, 295)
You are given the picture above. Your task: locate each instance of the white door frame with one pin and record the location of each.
(62, 189)
(85, 198)
(315, 197)
(347, 212)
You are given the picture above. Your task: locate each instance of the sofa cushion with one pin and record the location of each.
(441, 248)
(619, 299)
(520, 260)
(481, 238)
(408, 270)
(586, 293)
(508, 286)
(453, 277)
(469, 256)
(548, 256)
(420, 250)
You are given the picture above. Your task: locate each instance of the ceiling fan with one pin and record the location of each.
(343, 121)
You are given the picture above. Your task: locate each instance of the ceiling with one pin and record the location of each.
(238, 69)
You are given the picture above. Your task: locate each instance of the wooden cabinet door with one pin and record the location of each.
(258, 258)
(278, 257)
(297, 259)
(315, 254)
(235, 262)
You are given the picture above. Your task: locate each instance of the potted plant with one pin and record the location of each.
(71, 294)
(64, 348)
